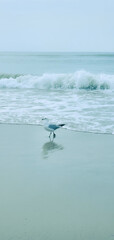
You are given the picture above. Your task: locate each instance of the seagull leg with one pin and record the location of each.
(50, 134)
(54, 135)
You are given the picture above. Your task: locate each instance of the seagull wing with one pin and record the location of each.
(53, 126)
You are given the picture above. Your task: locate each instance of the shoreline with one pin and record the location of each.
(67, 129)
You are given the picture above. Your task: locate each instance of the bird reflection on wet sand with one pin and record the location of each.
(49, 147)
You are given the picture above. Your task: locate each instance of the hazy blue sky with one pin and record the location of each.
(57, 25)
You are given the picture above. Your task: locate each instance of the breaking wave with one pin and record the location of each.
(78, 80)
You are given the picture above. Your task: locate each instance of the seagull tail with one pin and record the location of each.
(61, 125)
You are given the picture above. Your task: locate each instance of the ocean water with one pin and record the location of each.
(72, 88)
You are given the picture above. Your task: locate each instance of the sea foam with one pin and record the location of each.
(78, 80)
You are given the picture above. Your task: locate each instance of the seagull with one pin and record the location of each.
(51, 127)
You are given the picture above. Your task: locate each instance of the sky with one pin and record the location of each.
(57, 25)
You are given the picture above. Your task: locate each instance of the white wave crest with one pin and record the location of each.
(77, 80)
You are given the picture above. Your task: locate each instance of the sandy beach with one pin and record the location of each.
(55, 190)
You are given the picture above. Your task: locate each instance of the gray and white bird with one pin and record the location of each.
(50, 127)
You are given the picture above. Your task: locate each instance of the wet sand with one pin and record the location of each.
(55, 190)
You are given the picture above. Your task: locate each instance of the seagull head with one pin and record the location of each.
(45, 120)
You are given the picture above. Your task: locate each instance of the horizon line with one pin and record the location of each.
(34, 51)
